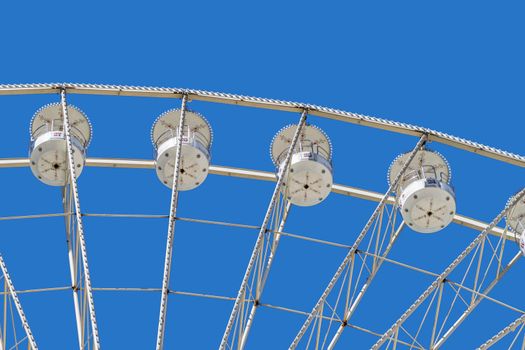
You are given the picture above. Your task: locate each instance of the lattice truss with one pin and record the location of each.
(455, 293)
(15, 331)
(433, 317)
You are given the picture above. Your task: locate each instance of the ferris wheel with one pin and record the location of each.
(421, 199)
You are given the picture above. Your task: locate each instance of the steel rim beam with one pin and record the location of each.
(265, 103)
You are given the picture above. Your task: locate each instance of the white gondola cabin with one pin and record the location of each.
(195, 152)
(309, 179)
(426, 199)
(48, 149)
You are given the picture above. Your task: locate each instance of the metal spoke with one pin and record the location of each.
(519, 322)
(265, 103)
(259, 242)
(171, 232)
(18, 306)
(76, 232)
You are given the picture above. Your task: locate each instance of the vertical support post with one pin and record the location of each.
(79, 226)
(263, 230)
(30, 339)
(171, 230)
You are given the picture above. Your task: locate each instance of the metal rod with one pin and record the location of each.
(265, 273)
(365, 287)
(41, 290)
(360, 237)
(446, 272)
(436, 316)
(18, 306)
(260, 237)
(37, 216)
(171, 230)
(80, 227)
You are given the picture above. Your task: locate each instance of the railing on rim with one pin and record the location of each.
(187, 132)
(307, 146)
(58, 125)
(424, 172)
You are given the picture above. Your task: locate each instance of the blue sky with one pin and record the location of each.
(454, 67)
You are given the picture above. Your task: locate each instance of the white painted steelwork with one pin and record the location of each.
(48, 150)
(517, 324)
(176, 173)
(266, 103)
(31, 342)
(309, 179)
(77, 252)
(317, 311)
(236, 317)
(81, 282)
(391, 335)
(196, 137)
(426, 199)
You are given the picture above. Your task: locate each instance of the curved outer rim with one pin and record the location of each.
(178, 109)
(69, 106)
(292, 125)
(249, 101)
(424, 149)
